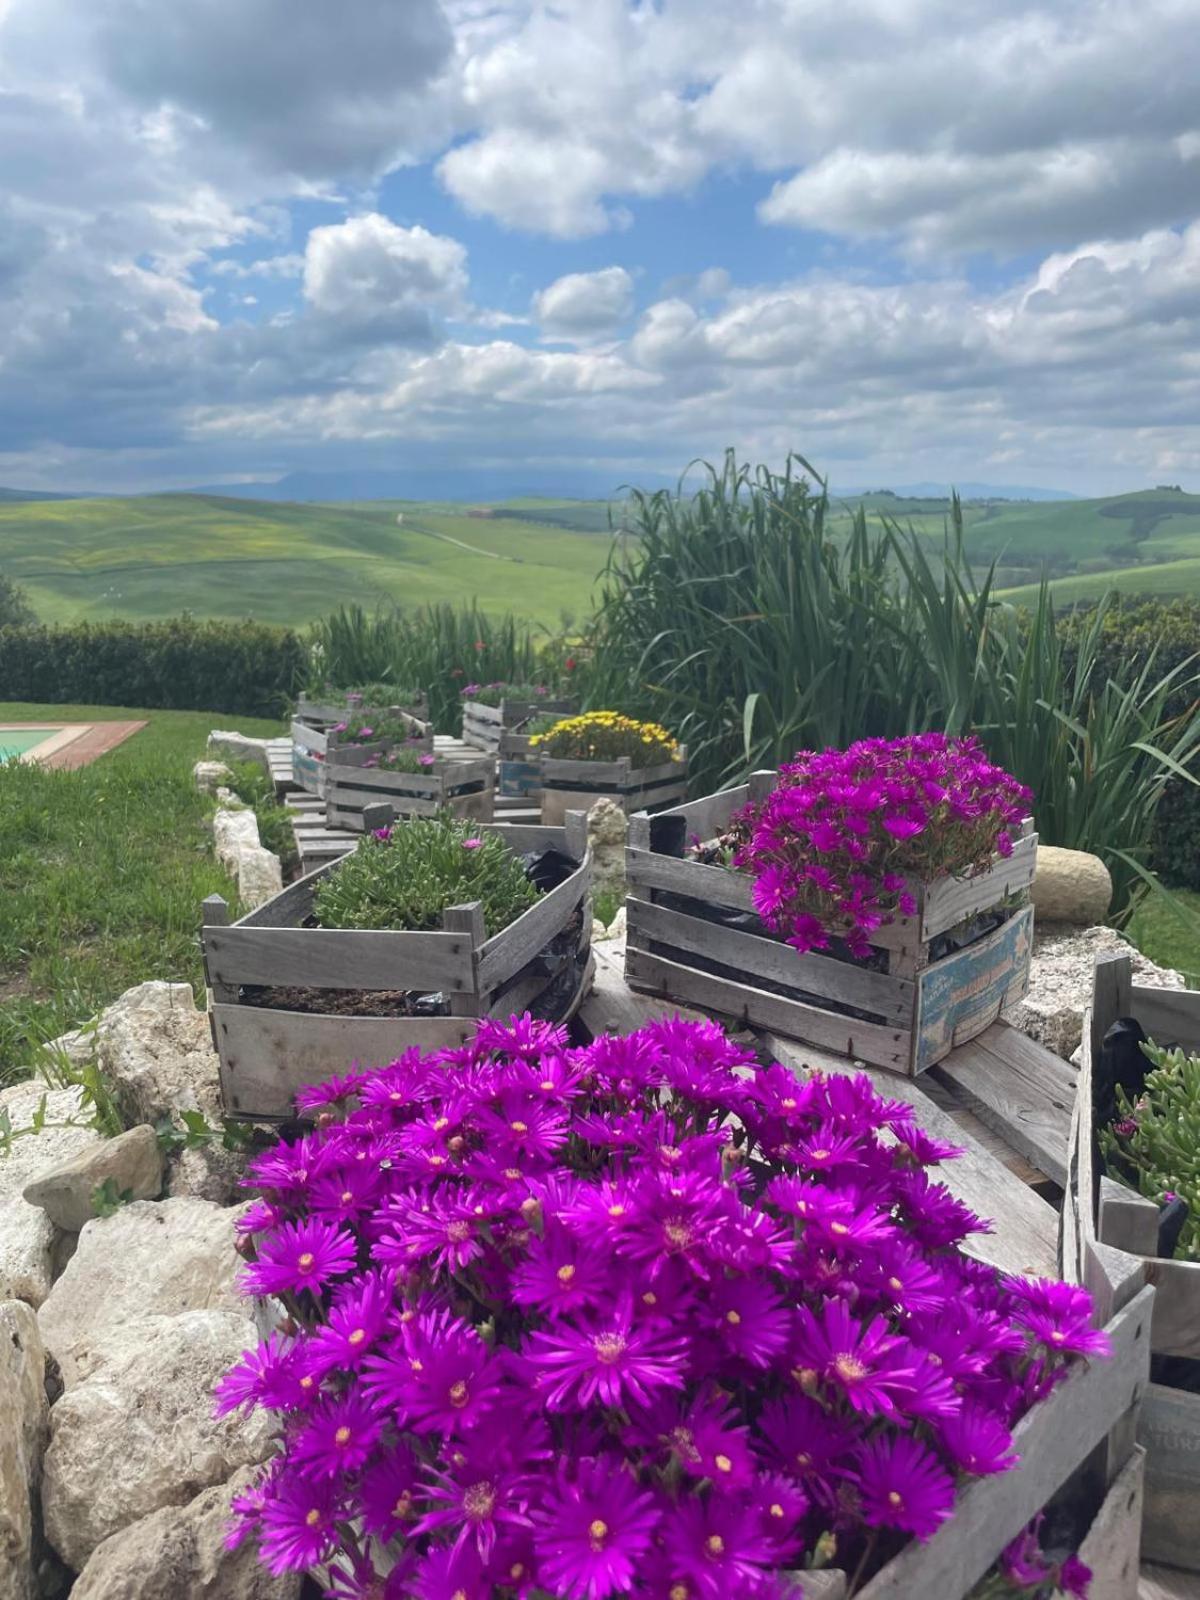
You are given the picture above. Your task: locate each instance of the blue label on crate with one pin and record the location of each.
(516, 778)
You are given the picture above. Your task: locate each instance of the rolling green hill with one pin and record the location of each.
(157, 555)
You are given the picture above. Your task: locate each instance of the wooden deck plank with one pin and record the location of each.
(1019, 1088)
(1168, 1583)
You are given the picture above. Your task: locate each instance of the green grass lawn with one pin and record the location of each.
(102, 872)
(1170, 934)
(155, 555)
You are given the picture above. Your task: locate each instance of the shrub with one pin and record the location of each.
(606, 736)
(638, 1318)
(834, 846)
(406, 876)
(1131, 632)
(1155, 1138)
(15, 610)
(180, 665)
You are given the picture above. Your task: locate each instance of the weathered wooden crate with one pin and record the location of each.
(905, 1017)
(313, 745)
(266, 1055)
(483, 725)
(577, 785)
(1101, 1215)
(318, 712)
(467, 788)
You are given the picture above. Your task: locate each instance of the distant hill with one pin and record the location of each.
(538, 556)
(156, 555)
(973, 491)
(33, 494)
(460, 485)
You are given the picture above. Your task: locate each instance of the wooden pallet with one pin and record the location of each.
(279, 762)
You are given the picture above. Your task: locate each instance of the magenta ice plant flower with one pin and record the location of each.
(835, 849)
(640, 1317)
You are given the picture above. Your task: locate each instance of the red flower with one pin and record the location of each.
(569, 664)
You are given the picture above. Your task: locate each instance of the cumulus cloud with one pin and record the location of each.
(375, 277)
(584, 303)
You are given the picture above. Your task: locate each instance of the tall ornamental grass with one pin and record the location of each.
(738, 618)
(438, 648)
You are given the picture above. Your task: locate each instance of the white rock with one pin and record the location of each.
(1060, 982)
(599, 931)
(179, 1553)
(139, 1433)
(23, 1423)
(608, 829)
(227, 746)
(156, 1052)
(209, 775)
(230, 800)
(233, 832)
(210, 1172)
(617, 927)
(1070, 886)
(133, 1161)
(149, 1260)
(260, 876)
(26, 1232)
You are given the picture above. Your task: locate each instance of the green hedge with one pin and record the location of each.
(1132, 629)
(246, 668)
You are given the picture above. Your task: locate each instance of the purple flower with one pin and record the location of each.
(594, 1531)
(902, 1485)
(609, 1358)
(472, 844)
(300, 1255)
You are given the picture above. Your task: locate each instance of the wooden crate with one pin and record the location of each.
(577, 785)
(320, 713)
(467, 788)
(483, 725)
(1100, 1214)
(313, 747)
(266, 1056)
(906, 1017)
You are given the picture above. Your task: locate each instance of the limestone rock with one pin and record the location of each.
(1060, 982)
(179, 1553)
(233, 832)
(599, 931)
(260, 876)
(156, 1052)
(139, 1433)
(132, 1160)
(209, 1172)
(148, 1260)
(618, 926)
(1070, 886)
(26, 1232)
(230, 800)
(23, 1413)
(608, 828)
(227, 746)
(209, 775)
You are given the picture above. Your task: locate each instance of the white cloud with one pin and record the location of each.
(585, 303)
(369, 273)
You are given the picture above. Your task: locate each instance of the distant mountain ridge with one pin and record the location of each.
(968, 491)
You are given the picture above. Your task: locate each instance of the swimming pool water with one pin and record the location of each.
(16, 741)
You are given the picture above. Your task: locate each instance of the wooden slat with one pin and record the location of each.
(1169, 1429)
(1025, 1236)
(1169, 1016)
(1112, 997)
(891, 1047)
(706, 818)
(339, 958)
(506, 952)
(716, 886)
(266, 1056)
(1176, 1309)
(1111, 1545)
(1126, 1220)
(951, 900)
(763, 957)
(1019, 1088)
(1052, 1440)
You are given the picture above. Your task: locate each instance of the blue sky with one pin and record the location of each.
(913, 239)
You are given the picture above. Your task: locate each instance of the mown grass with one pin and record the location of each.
(1169, 932)
(102, 872)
